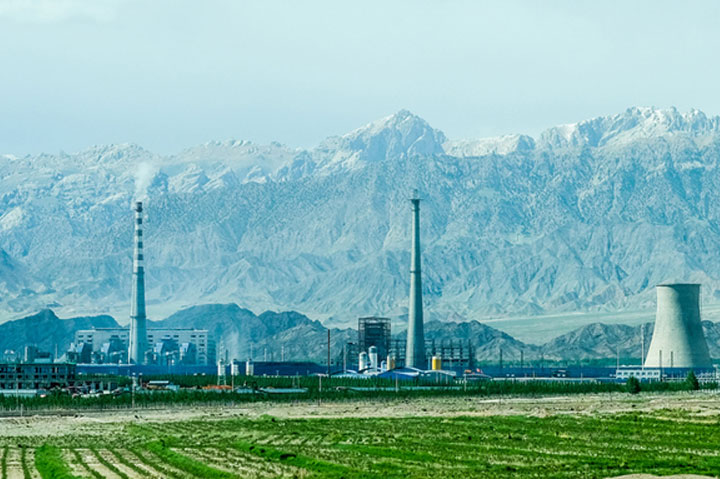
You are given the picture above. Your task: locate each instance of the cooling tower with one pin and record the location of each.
(415, 349)
(678, 339)
(138, 327)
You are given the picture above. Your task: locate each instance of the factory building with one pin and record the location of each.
(453, 353)
(167, 346)
(678, 339)
(33, 354)
(33, 376)
(374, 331)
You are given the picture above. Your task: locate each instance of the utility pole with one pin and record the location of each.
(328, 352)
(642, 347)
(134, 384)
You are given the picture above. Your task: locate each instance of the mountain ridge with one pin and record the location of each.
(527, 228)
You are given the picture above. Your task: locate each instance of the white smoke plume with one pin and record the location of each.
(144, 175)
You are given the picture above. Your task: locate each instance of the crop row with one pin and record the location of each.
(562, 446)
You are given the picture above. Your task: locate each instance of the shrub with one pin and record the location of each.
(633, 385)
(692, 381)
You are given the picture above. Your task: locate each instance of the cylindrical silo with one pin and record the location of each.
(373, 357)
(390, 362)
(363, 361)
(678, 333)
(436, 363)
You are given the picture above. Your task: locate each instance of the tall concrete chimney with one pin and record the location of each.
(678, 336)
(138, 326)
(415, 349)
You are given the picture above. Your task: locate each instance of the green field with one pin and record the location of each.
(424, 444)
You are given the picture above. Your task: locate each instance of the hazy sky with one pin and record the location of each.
(170, 74)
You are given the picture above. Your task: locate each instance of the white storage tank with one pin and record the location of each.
(363, 361)
(373, 357)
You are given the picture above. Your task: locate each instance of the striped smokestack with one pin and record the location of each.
(138, 327)
(415, 349)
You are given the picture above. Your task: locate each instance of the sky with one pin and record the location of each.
(169, 74)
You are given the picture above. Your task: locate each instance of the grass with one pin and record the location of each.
(319, 467)
(661, 442)
(185, 463)
(158, 466)
(123, 460)
(24, 463)
(85, 465)
(501, 446)
(3, 465)
(50, 464)
(108, 464)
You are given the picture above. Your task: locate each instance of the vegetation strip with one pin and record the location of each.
(84, 464)
(123, 460)
(50, 464)
(334, 389)
(186, 464)
(108, 464)
(6, 451)
(24, 463)
(318, 466)
(153, 464)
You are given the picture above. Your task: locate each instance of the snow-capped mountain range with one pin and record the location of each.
(585, 217)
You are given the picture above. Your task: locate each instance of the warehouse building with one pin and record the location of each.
(33, 376)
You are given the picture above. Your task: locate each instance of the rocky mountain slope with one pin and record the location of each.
(585, 217)
(46, 331)
(599, 341)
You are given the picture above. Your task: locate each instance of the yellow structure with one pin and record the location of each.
(436, 363)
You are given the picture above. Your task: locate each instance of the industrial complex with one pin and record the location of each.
(165, 346)
(678, 343)
(138, 345)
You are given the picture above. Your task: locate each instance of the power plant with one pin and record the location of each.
(678, 340)
(138, 320)
(415, 347)
(141, 346)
